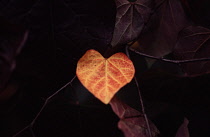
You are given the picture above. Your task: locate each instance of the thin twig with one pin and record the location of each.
(43, 106)
(49, 98)
(141, 100)
(28, 126)
(32, 132)
(168, 60)
(142, 108)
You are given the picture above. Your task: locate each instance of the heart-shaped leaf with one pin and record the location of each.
(104, 77)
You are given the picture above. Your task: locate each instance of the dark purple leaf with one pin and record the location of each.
(183, 130)
(162, 30)
(132, 122)
(130, 20)
(12, 39)
(194, 43)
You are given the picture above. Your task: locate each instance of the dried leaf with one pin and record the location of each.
(194, 43)
(104, 77)
(132, 122)
(130, 19)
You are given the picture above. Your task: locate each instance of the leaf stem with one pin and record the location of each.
(141, 99)
(42, 108)
(142, 108)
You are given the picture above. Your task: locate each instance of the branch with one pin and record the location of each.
(168, 60)
(42, 108)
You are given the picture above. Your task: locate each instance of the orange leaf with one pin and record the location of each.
(104, 77)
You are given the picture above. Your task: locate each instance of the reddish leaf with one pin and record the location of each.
(130, 19)
(193, 43)
(132, 122)
(104, 77)
(162, 30)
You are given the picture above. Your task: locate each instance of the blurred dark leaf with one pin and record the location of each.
(132, 122)
(194, 43)
(161, 32)
(130, 20)
(183, 130)
(175, 89)
(198, 11)
(12, 39)
(60, 32)
(190, 95)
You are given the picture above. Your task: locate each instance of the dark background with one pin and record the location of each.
(58, 33)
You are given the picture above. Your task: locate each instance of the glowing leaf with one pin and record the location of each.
(104, 77)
